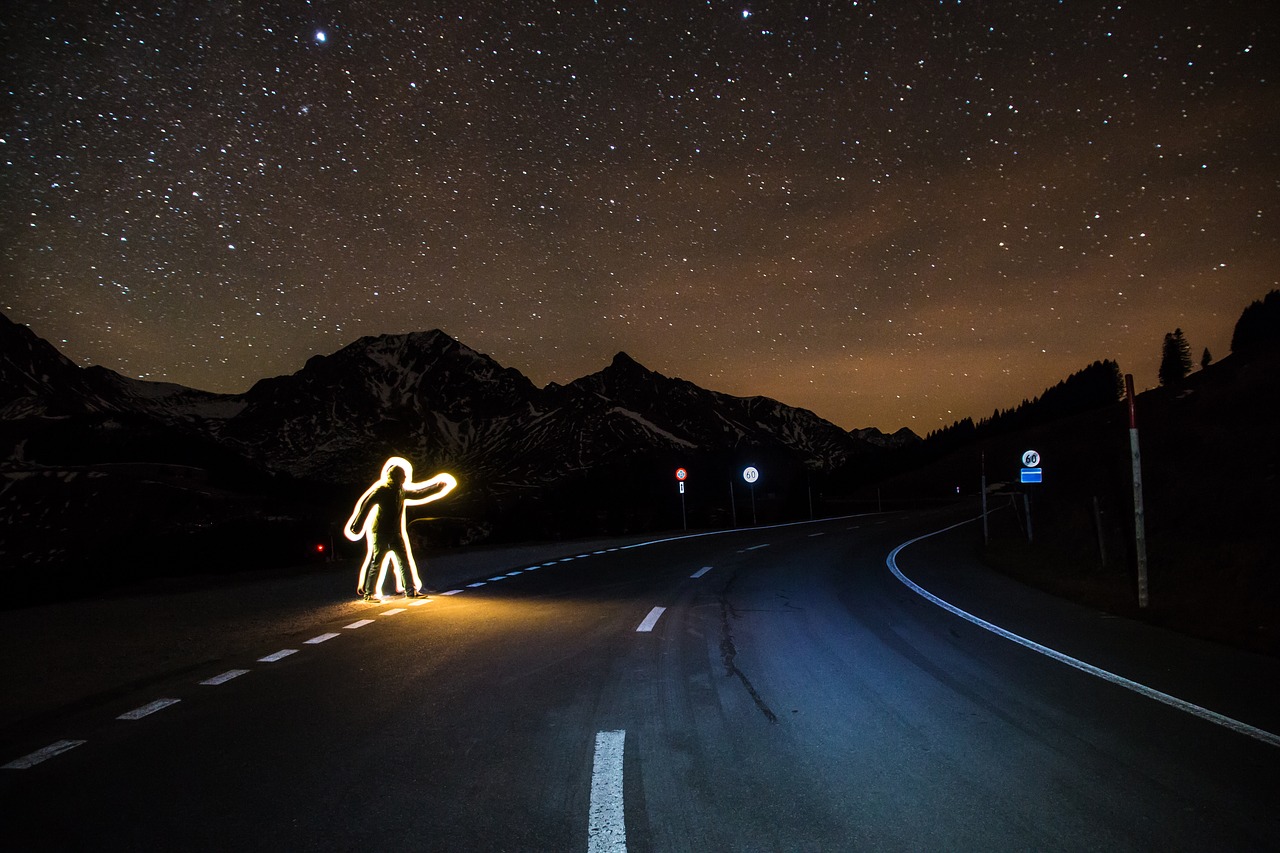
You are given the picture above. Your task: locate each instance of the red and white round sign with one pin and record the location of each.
(682, 474)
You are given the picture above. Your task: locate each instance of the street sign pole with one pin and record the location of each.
(681, 476)
(750, 474)
(986, 534)
(1139, 514)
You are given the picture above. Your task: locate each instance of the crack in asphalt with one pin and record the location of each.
(730, 652)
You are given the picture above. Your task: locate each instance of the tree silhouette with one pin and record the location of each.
(1175, 362)
(1206, 359)
(1258, 328)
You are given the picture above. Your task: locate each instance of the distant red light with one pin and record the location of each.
(319, 549)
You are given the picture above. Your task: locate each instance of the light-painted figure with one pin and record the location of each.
(379, 517)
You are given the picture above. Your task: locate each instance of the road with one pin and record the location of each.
(790, 693)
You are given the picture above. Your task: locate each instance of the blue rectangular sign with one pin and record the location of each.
(1031, 475)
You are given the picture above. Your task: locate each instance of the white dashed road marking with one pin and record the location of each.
(149, 708)
(451, 592)
(39, 755)
(606, 821)
(392, 612)
(652, 619)
(700, 572)
(315, 641)
(225, 677)
(360, 624)
(275, 656)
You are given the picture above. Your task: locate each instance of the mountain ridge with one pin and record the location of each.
(432, 397)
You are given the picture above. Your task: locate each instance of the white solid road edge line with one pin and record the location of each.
(147, 709)
(652, 619)
(606, 821)
(1119, 680)
(29, 761)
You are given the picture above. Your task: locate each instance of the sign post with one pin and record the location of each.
(681, 476)
(986, 533)
(1031, 473)
(751, 475)
(1139, 515)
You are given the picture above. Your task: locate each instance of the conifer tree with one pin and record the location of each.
(1175, 361)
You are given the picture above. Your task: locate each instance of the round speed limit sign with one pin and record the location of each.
(750, 475)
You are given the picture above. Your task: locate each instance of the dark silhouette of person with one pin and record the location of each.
(379, 517)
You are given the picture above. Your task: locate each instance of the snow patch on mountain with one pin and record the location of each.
(652, 427)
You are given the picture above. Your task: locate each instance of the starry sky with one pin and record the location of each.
(891, 213)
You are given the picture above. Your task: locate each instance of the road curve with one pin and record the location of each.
(766, 689)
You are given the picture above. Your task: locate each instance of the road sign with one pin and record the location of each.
(682, 487)
(750, 474)
(682, 474)
(1030, 459)
(1032, 475)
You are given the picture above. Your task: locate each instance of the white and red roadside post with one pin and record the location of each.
(1139, 515)
(681, 476)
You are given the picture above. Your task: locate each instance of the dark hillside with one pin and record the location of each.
(1210, 463)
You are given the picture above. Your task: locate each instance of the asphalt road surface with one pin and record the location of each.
(768, 689)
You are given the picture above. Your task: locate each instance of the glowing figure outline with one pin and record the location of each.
(391, 546)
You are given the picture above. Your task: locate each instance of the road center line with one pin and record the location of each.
(28, 761)
(754, 548)
(392, 612)
(652, 619)
(225, 677)
(606, 821)
(358, 624)
(149, 708)
(451, 592)
(700, 572)
(1119, 680)
(315, 641)
(275, 656)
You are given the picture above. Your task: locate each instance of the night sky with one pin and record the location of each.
(892, 213)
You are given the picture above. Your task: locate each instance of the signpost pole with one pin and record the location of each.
(750, 474)
(986, 533)
(681, 476)
(1139, 514)
(733, 505)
